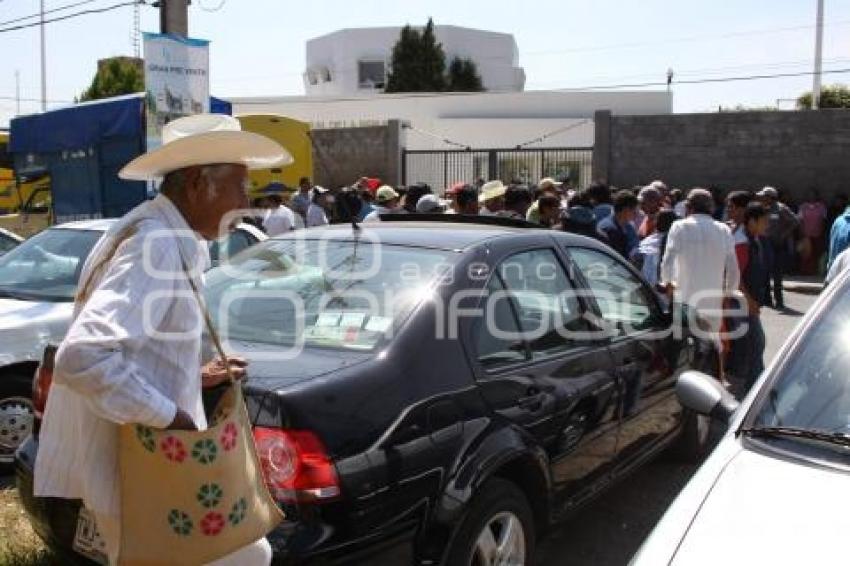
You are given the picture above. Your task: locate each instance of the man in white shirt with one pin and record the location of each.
(316, 213)
(280, 219)
(699, 264)
(132, 354)
(387, 200)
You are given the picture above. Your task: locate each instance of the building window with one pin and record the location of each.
(371, 74)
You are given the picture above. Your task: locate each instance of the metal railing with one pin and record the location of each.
(442, 168)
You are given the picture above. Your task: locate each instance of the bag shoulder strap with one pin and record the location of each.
(85, 289)
(214, 336)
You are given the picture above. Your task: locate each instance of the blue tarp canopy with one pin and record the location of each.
(86, 125)
(78, 127)
(83, 147)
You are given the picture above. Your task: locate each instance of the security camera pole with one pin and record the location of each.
(174, 17)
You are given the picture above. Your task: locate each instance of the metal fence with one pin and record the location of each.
(442, 168)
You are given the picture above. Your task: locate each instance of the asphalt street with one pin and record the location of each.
(611, 529)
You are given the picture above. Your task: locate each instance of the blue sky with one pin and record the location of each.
(257, 46)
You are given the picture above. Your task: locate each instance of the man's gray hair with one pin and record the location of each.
(700, 201)
(176, 180)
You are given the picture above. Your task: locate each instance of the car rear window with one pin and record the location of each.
(335, 294)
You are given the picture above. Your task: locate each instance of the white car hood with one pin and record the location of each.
(767, 510)
(27, 326)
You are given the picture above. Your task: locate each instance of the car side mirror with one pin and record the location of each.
(704, 394)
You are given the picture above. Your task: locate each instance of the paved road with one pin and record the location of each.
(610, 530)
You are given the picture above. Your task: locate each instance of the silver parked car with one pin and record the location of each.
(38, 281)
(775, 489)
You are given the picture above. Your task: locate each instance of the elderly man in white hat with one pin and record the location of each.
(120, 362)
(492, 198)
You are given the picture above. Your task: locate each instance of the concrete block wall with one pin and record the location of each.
(343, 155)
(732, 150)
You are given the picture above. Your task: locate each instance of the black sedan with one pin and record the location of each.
(438, 392)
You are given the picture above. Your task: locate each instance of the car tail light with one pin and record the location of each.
(296, 465)
(42, 381)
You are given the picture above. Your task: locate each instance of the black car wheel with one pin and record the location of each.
(498, 529)
(16, 415)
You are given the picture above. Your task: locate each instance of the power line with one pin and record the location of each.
(59, 9)
(438, 137)
(708, 80)
(74, 15)
(553, 133)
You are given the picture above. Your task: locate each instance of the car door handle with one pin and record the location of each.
(531, 403)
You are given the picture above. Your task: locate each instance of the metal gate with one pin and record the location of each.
(442, 168)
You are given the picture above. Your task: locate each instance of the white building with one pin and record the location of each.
(477, 120)
(344, 82)
(357, 61)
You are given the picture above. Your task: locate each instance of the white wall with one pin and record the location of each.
(496, 55)
(485, 120)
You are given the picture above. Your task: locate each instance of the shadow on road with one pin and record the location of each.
(610, 530)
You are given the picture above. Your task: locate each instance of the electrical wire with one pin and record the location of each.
(51, 11)
(553, 133)
(438, 137)
(74, 15)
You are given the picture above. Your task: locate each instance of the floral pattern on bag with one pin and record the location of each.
(238, 512)
(210, 495)
(228, 437)
(180, 522)
(205, 451)
(145, 436)
(173, 449)
(212, 523)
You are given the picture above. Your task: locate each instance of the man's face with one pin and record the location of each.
(651, 205)
(628, 214)
(495, 204)
(214, 194)
(736, 213)
(305, 186)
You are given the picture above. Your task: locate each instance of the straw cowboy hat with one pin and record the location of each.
(205, 139)
(491, 190)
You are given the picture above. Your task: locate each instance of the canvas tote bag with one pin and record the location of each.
(191, 497)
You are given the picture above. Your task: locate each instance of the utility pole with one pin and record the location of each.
(17, 93)
(174, 17)
(818, 57)
(43, 62)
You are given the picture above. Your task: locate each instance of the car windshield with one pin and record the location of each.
(47, 266)
(6, 243)
(812, 392)
(320, 293)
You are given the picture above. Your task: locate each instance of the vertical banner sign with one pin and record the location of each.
(177, 81)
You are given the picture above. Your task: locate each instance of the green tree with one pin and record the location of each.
(115, 77)
(418, 62)
(463, 76)
(832, 96)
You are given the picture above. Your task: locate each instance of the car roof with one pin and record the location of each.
(100, 224)
(436, 235)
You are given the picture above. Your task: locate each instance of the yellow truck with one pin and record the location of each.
(24, 203)
(292, 135)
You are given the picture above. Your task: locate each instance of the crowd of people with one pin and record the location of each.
(687, 247)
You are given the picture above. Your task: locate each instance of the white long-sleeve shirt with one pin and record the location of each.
(117, 365)
(700, 260)
(280, 221)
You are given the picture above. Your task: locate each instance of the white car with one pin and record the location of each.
(38, 281)
(775, 489)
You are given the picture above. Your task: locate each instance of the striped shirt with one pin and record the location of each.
(132, 355)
